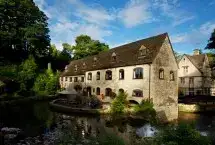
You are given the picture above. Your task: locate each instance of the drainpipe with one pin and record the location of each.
(149, 81)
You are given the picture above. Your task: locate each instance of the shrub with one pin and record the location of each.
(110, 139)
(184, 134)
(145, 108)
(119, 103)
(27, 74)
(46, 83)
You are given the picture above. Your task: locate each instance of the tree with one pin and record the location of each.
(26, 74)
(23, 30)
(85, 46)
(47, 83)
(178, 56)
(211, 42)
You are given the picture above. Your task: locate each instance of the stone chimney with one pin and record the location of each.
(196, 51)
(49, 66)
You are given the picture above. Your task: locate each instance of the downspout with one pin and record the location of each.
(149, 81)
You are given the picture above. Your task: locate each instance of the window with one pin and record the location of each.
(113, 56)
(93, 90)
(121, 91)
(172, 76)
(121, 74)
(108, 92)
(65, 78)
(75, 79)
(182, 80)
(98, 75)
(191, 80)
(161, 73)
(76, 68)
(137, 93)
(61, 78)
(94, 61)
(108, 75)
(185, 69)
(70, 79)
(142, 51)
(97, 91)
(82, 79)
(89, 76)
(138, 73)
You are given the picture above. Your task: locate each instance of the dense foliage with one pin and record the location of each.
(120, 103)
(23, 30)
(145, 108)
(46, 83)
(182, 134)
(211, 41)
(27, 74)
(85, 46)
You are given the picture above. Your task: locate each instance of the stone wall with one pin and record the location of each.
(164, 93)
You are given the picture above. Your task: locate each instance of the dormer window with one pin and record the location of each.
(84, 65)
(142, 51)
(113, 56)
(94, 61)
(76, 68)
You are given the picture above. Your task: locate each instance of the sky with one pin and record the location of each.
(189, 23)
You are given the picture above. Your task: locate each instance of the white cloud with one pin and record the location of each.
(171, 9)
(95, 14)
(212, 3)
(178, 38)
(207, 28)
(136, 12)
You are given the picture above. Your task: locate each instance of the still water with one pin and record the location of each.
(36, 120)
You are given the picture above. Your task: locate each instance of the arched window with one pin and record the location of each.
(172, 76)
(121, 74)
(75, 79)
(113, 56)
(121, 91)
(82, 79)
(61, 78)
(108, 75)
(108, 92)
(94, 61)
(161, 73)
(65, 78)
(138, 73)
(98, 75)
(97, 91)
(137, 93)
(70, 79)
(89, 77)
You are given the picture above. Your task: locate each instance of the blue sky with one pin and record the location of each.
(116, 22)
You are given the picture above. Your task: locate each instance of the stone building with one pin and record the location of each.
(145, 69)
(195, 75)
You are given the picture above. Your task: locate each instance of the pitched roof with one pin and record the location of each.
(197, 60)
(126, 55)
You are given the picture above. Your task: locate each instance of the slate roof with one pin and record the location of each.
(126, 55)
(197, 60)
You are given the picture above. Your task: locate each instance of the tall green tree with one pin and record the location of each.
(85, 46)
(211, 42)
(23, 30)
(26, 74)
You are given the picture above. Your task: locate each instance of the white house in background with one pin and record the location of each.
(145, 69)
(195, 75)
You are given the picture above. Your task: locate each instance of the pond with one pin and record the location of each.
(37, 122)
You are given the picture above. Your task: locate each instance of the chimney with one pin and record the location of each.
(196, 51)
(49, 66)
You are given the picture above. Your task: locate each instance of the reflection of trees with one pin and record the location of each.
(43, 114)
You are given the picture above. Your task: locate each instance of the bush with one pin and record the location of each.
(119, 103)
(145, 108)
(184, 134)
(27, 74)
(46, 83)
